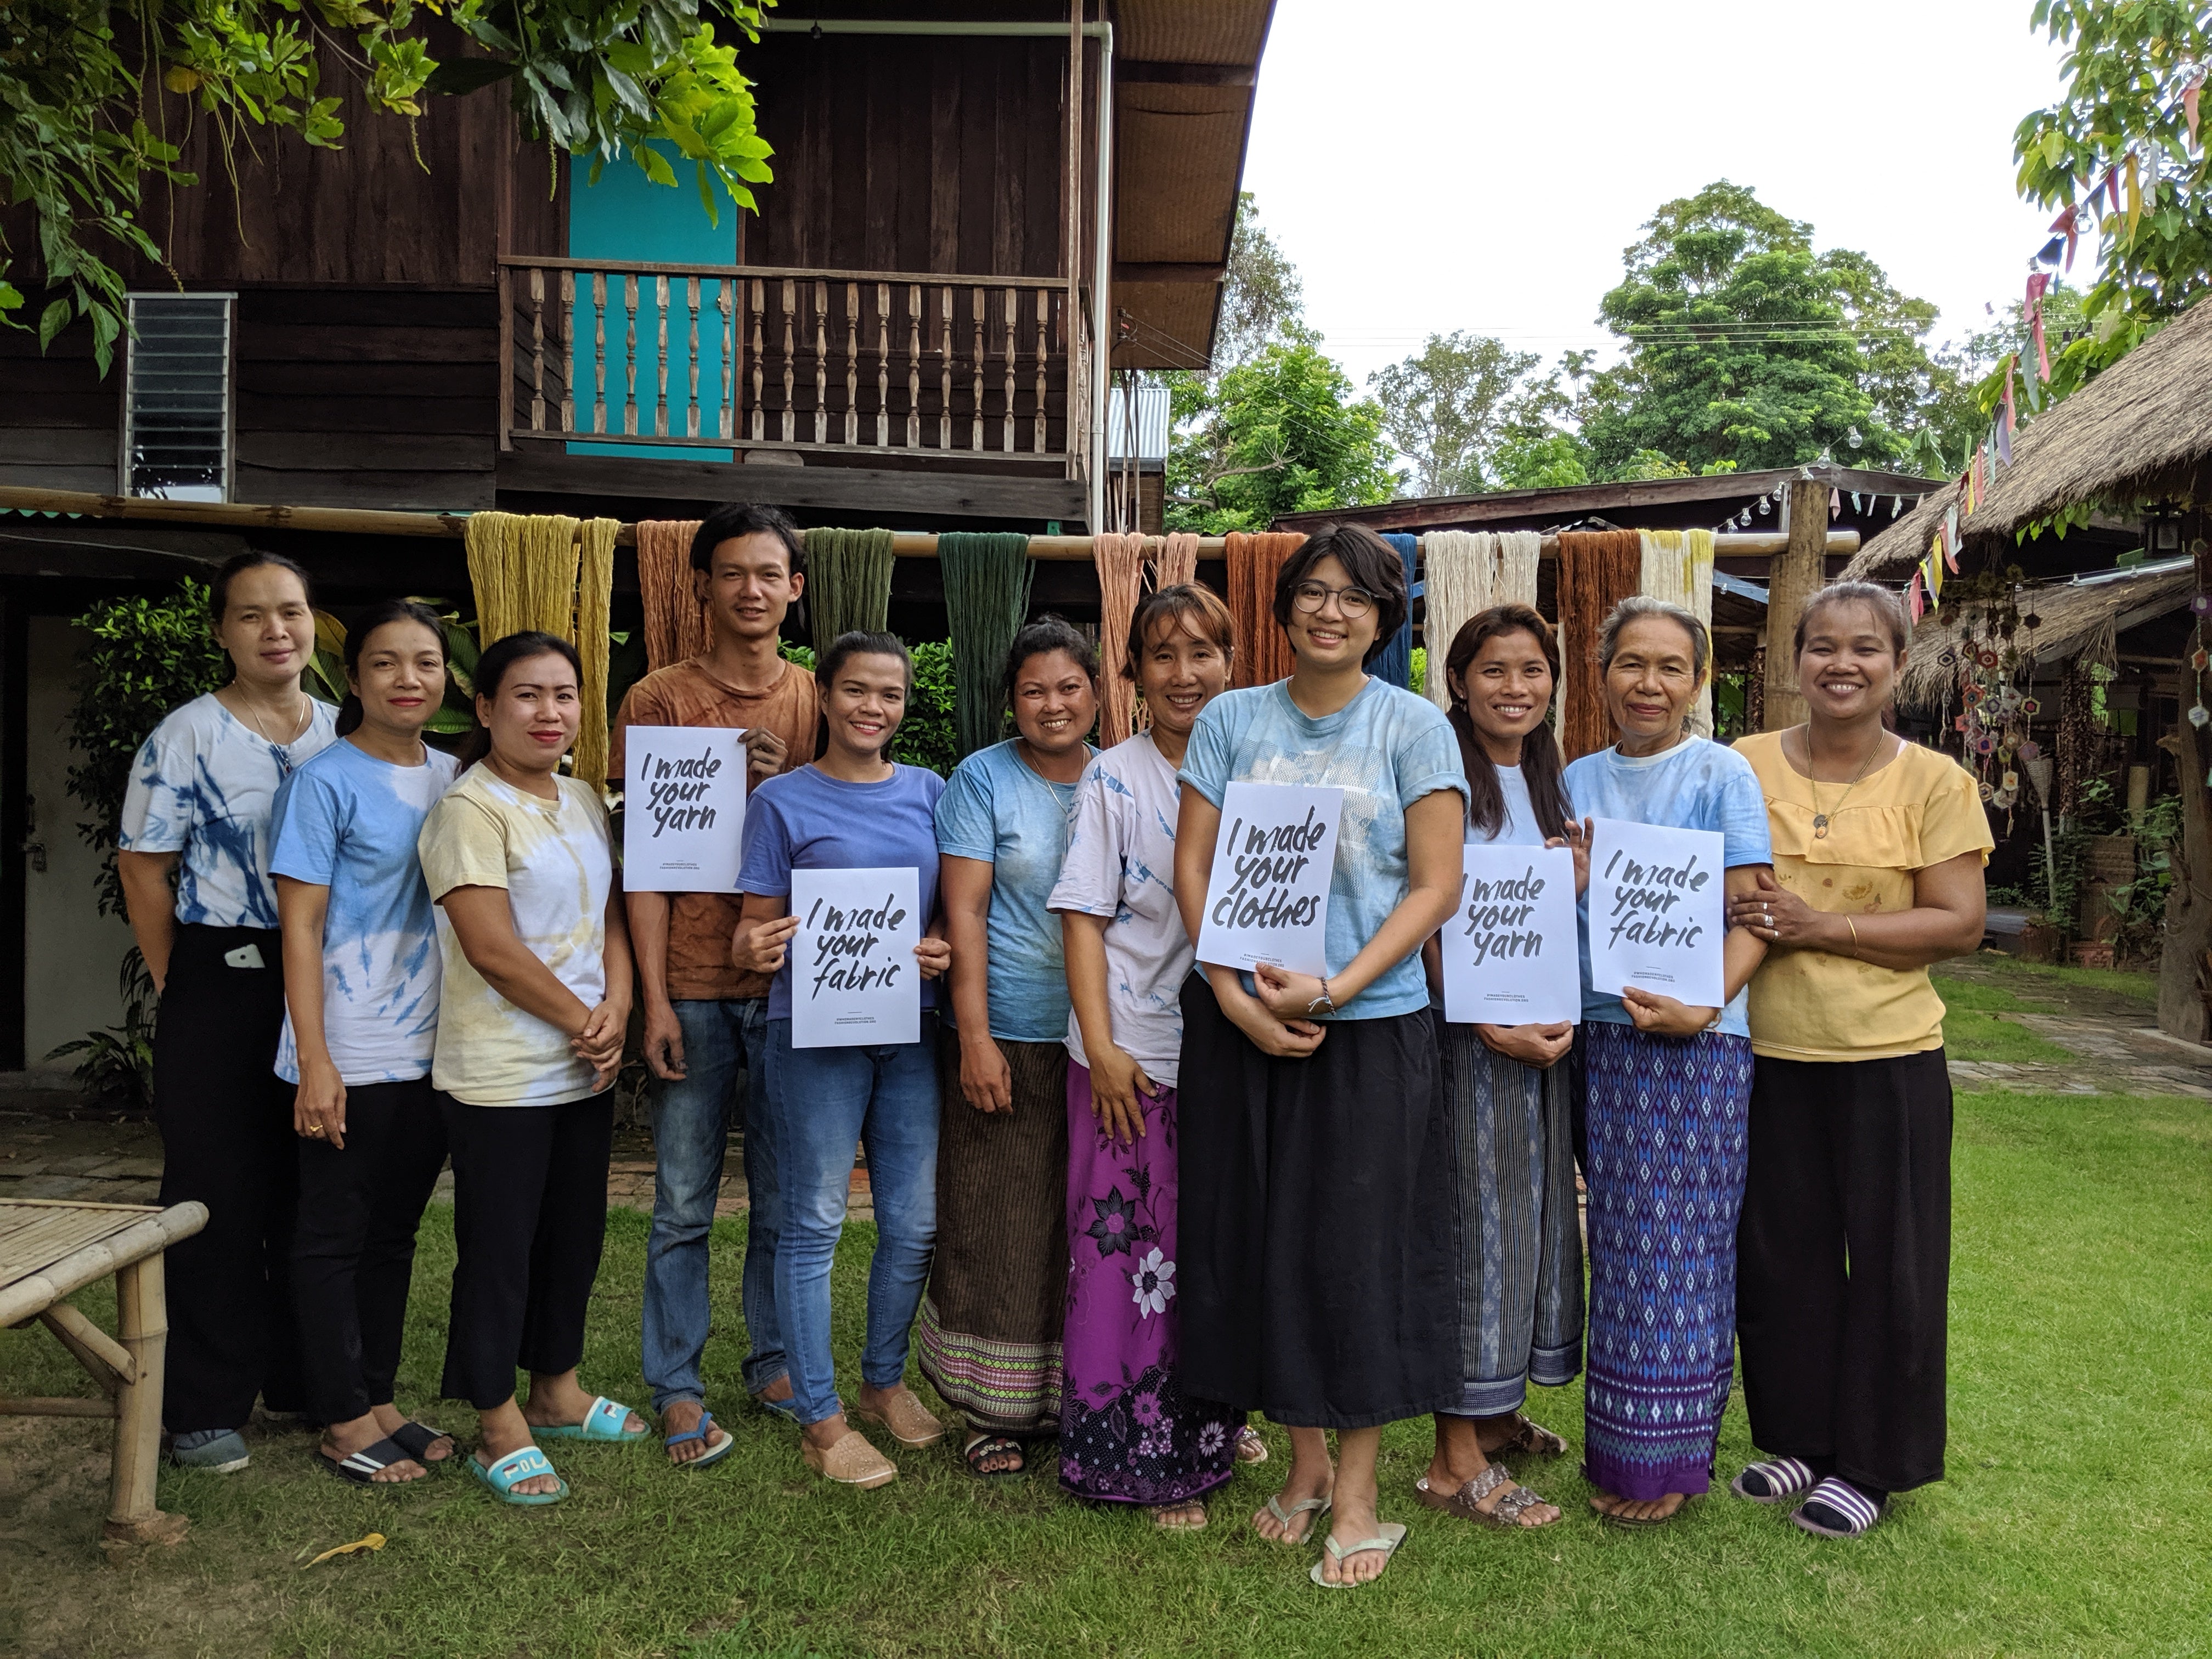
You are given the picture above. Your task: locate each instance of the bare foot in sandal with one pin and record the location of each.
(1460, 1465)
(1639, 1512)
(992, 1453)
(1179, 1517)
(1288, 1517)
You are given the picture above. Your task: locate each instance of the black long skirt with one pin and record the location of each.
(1317, 1280)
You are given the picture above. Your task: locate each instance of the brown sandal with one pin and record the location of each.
(908, 1421)
(852, 1462)
(1532, 1438)
(1464, 1504)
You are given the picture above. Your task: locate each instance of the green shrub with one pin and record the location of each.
(143, 658)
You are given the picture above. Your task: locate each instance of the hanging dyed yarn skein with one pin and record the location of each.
(987, 598)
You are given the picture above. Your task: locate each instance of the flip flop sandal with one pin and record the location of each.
(605, 1421)
(1288, 1519)
(1783, 1476)
(1390, 1535)
(994, 1445)
(713, 1454)
(418, 1438)
(1531, 1438)
(907, 1420)
(1845, 1510)
(512, 1470)
(852, 1462)
(1250, 1449)
(1464, 1505)
(787, 1408)
(362, 1467)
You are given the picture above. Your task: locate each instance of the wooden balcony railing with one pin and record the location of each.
(869, 366)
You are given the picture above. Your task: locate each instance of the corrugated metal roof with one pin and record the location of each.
(1149, 440)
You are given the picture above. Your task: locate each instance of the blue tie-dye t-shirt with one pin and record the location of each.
(1120, 864)
(1698, 784)
(1385, 749)
(995, 809)
(348, 822)
(205, 785)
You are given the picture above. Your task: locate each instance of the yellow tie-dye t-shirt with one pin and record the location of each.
(1920, 809)
(556, 860)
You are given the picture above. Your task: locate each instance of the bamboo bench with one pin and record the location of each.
(50, 1246)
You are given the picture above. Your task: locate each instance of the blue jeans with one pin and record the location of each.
(826, 1101)
(690, 1128)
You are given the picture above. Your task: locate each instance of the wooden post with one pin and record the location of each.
(1798, 572)
(2182, 961)
(141, 1305)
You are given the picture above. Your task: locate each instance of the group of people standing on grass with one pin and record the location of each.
(1122, 1199)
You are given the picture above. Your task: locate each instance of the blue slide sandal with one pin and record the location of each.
(602, 1422)
(503, 1476)
(713, 1454)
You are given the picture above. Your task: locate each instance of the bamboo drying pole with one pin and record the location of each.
(352, 521)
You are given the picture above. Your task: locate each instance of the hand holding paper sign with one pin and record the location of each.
(1656, 922)
(683, 807)
(854, 975)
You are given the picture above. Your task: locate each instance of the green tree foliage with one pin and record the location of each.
(2126, 130)
(1262, 296)
(1744, 347)
(1450, 406)
(142, 658)
(1279, 434)
(95, 95)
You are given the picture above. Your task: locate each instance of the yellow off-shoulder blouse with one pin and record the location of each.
(1920, 809)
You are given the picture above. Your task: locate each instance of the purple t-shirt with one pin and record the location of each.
(807, 820)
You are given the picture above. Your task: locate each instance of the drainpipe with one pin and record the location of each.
(1101, 269)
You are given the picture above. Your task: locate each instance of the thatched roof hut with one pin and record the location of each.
(2067, 615)
(2140, 431)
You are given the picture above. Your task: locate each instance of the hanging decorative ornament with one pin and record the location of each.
(1987, 658)
(2030, 706)
(2031, 621)
(1958, 722)
(2012, 782)
(2200, 660)
(1984, 744)
(1989, 793)
(2202, 605)
(2200, 716)
(1947, 657)
(1971, 694)
(1763, 506)
(2029, 749)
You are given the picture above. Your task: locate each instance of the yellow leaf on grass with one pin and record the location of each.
(373, 1541)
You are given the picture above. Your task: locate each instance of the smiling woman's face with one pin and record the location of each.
(1328, 636)
(1652, 681)
(267, 626)
(400, 677)
(1849, 667)
(1055, 704)
(534, 718)
(1508, 686)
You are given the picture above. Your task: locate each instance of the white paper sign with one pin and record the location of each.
(1510, 948)
(1656, 909)
(683, 808)
(854, 977)
(1269, 899)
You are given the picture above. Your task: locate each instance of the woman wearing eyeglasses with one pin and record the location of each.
(1317, 1280)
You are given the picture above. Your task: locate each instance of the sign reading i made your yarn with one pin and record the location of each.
(1268, 898)
(1508, 949)
(1655, 911)
(683, 808)
(854, 977)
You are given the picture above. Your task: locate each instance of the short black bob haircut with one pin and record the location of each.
(734, 519)
(1370, 561)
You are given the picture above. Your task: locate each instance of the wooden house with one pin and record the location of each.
(982, 211)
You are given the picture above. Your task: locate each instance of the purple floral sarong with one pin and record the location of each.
(1126, 1433)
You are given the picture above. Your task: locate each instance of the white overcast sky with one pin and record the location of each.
(1433, 165)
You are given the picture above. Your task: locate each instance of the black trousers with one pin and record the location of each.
(354, 1253)
(227, 1140)
(530, 1216)
(1844, 1264)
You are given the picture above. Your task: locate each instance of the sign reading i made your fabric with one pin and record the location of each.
(1508, 949)
(854, 978)
(1268, 898)
(683, 809)
(1656, 904)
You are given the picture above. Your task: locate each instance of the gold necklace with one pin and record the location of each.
(1820, 819)
(301, 720)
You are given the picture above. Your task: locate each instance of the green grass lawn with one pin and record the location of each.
(2074, 1521)
(1974, 1029)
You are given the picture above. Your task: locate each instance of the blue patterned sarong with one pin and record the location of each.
(1665, 1169)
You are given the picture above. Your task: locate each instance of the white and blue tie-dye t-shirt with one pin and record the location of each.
(1698, 784)
(348, 822)
(1120, 863)
(995, 809)
(205, 785)
(1385, 749)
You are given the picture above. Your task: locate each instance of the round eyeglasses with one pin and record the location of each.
(1309, 597)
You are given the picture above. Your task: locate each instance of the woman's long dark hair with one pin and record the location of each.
(388, 610)
(1539, 750)
(492, 668)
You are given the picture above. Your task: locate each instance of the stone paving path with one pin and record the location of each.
(52, 1145)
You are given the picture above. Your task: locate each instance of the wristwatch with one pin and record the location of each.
(1324, 1004)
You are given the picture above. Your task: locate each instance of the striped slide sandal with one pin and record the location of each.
(1837, 1509)
(1773, 1482)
